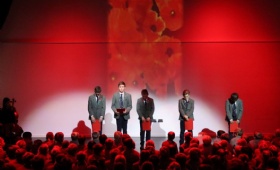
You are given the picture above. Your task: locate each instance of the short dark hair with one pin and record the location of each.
(186, 91)
(121, 83)
(234, 96)
(144, 91)
(97, 89)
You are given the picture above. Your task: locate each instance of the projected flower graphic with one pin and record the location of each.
(141, 53)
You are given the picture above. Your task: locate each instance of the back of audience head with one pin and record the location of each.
(27, 135)
(81, 139)
(220, 132)
(120, 158)
(27, 159)
(43, 149)
(118, 136)
(90, 145)
(102, 139)
(38, 162)
(18, 155)
(225, 136)
(97, 149)
(241, 142)
(164, 152)
(235, 164)
(174, 166)
(11, 151)
(171, 135)
(258, 135)
(63, 162)
(129, 143)
(206, 139)
(81, 156)
(109, 143)
(277, 132)
(181, 158)
(21, 143)
(59, 137)
(113, 153)
(72, 149)
(195, 141)
(195, 154)
(49, 136)
(74, 136)
(147, 165)
(150, 143)
(65, 144)
(239, 132)
(144, 155)
(188, 136)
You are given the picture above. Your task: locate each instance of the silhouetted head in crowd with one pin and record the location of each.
(164, 152)
(38, 162)
(102, 139)
(11, 151)
(225, 136)
(27, 135)
(97, 149)
(206, 139)
(21, 144)
(109, 143)
(181, 158)
(120, 159)
(144, 155)
(59, 137)
(239, 132)
(118, 137)
(129, 143)
(195, 141)
(74, 136)
(49, 136)
(43, 149)
(188, 136)
(19, 153)
(81, 139)
(220, 132)
(174, 166)
(90, 144)
(195, 154)
(150, 143)
(72, 149)
(258, 135)
(27, 158)
(171, 136)
(65, 144)
(147, 165)
(81, 157)
(277, 132)
(242, 142)
(235, 164)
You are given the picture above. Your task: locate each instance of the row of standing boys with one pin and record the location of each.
(122, 105)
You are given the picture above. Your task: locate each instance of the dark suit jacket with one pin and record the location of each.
(96, 109)
(184, 110)
(145, 110)
(239, 109)
(127, 103)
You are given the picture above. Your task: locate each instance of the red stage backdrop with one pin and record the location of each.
(53, 53)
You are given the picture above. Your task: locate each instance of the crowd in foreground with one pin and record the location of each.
(250, 152)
